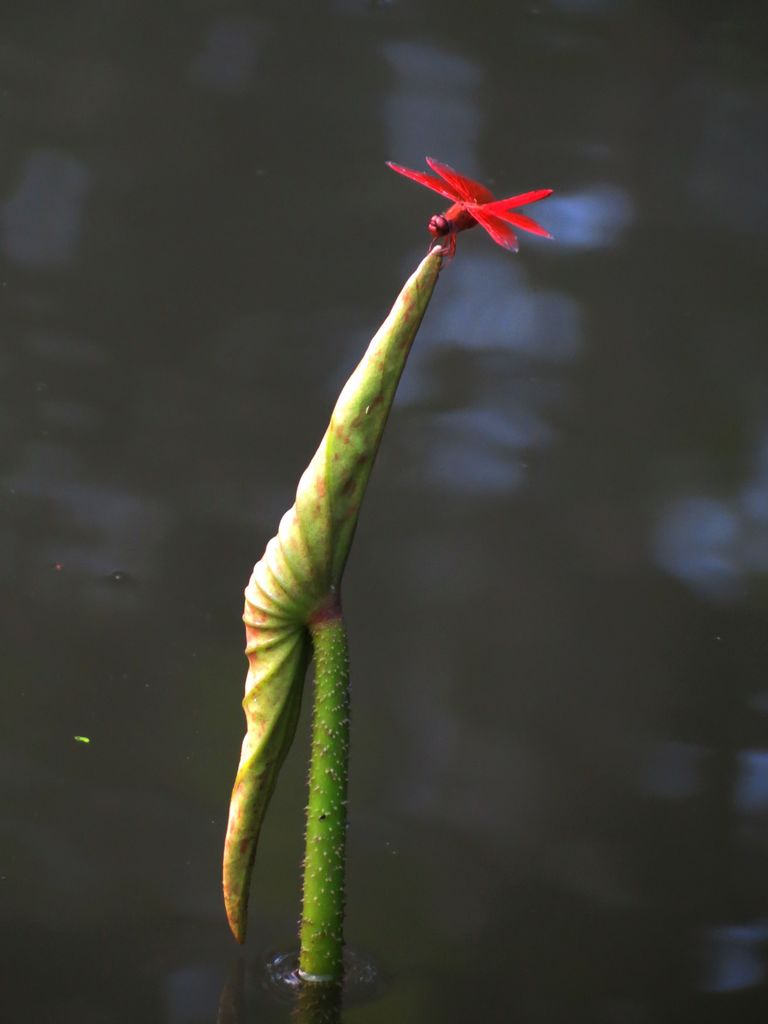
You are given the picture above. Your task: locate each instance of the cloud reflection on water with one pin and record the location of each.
(732, 957)
(713, 544)
(101, 527)
(593, 218)
(41, 221)
(493, 304)
(431, 106)
(492, 314)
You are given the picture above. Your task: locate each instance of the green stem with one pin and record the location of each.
(322, 918)
(317, 1004)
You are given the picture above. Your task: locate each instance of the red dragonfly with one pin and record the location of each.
(473, 204)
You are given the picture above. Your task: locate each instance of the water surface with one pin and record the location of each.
(557, 596)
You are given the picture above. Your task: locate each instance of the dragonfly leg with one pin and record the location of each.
(448, 250)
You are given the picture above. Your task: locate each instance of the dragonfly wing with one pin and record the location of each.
(500, 232)
(466, 189)
(500, 205)
(518, 220)
(429, 180)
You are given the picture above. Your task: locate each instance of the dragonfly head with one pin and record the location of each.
(439, 226)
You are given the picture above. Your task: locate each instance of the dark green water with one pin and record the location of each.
(557, 599)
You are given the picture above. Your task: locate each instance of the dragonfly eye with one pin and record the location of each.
(438, 226)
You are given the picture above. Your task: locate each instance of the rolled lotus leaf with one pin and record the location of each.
(299, 576)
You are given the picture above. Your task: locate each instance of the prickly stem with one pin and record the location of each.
(322, 919)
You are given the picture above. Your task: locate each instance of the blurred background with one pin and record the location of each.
(558, 596)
